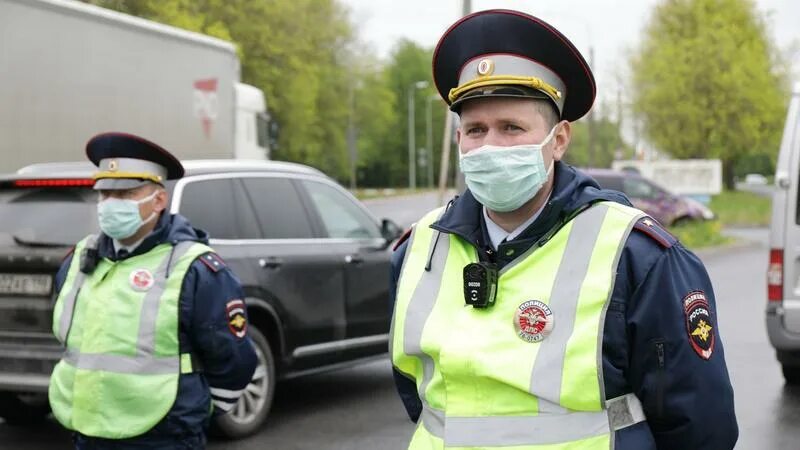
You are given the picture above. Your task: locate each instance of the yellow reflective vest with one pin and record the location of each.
(526, 373)
(119, 374)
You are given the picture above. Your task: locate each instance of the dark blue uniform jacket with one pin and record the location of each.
(227, 362)
(687, 399)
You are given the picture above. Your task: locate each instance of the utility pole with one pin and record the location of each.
(429, 138)
(412, 151)
(466, 9)
(412, 163)
(351, 137)
(447, 136)
(445, 162)
(592, 132)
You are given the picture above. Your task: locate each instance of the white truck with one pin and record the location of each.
(70, 70)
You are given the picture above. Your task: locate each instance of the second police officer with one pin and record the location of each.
(153, 321)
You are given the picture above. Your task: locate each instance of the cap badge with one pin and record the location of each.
(113, 165)
(141, 279)
(485, 67)
(533, 321)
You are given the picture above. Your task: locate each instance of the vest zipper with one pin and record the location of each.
(660, 379)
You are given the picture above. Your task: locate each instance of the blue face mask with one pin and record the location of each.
(120, 219)
(505, 178)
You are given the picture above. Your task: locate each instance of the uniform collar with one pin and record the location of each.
(497, 234)
(464, 216)
(128, 248)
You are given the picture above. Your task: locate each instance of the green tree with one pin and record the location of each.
(707, 82)
(409, 63)
(607, 143)
(294, 50)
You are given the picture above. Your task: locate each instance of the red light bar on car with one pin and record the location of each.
(55, 182)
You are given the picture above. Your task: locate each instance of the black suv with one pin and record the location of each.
(313, 262)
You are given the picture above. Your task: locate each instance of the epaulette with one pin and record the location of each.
(655, 231)
(402, 239)
(213, 261)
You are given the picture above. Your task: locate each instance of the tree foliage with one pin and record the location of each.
(320, 82)
(707, 83)
(409, 63)
(291, 49)
(607, 144)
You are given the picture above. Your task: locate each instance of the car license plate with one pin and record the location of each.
(25, 284)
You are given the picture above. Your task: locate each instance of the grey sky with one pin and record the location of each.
(611, 27)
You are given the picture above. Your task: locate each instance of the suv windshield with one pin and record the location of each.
(56, 216)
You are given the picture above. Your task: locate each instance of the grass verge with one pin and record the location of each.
(695, 235)
(733, 209)
(742, 209)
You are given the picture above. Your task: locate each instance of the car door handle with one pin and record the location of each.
(353, 259)
(270, 263)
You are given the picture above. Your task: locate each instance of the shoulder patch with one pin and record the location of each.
(699, 323)
(655, 231)
(402, 239)
(237, 323)
(213, 261)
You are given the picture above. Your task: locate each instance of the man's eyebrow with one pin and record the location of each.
(472, 123)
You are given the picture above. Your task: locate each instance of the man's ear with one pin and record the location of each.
(458, 137)
(561, 139)
(161, 200)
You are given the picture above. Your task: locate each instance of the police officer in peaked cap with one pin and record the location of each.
(538, 309)
(153, 321)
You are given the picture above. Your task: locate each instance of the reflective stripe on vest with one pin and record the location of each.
(622, 412)
(425, 295)
(549, 378)
(69, 300)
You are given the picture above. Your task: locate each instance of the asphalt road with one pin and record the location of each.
(357, 408)
(405, 210)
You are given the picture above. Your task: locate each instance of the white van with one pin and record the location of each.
(783, 273)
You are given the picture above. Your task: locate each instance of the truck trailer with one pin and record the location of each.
(70, 70)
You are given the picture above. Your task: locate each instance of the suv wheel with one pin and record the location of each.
(791, 374)
(254, 404)
(23, 409)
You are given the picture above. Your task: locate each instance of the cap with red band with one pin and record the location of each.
(505, 53)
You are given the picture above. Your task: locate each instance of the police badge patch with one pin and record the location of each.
(141, 280)
(533, 321)
(698, 323)
(237, 322)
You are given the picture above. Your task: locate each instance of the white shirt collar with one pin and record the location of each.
(498, 234)
(130, 248)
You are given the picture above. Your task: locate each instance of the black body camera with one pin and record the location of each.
(480, 284)
(89, 257)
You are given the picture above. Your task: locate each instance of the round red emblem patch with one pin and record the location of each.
(533, 321)
(141, 279)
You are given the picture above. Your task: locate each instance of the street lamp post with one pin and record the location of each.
(412, 161)
(429, 138)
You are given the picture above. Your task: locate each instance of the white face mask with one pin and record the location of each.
(120, 219)
(505, 178)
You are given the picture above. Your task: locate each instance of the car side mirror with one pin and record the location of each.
(390, 230)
